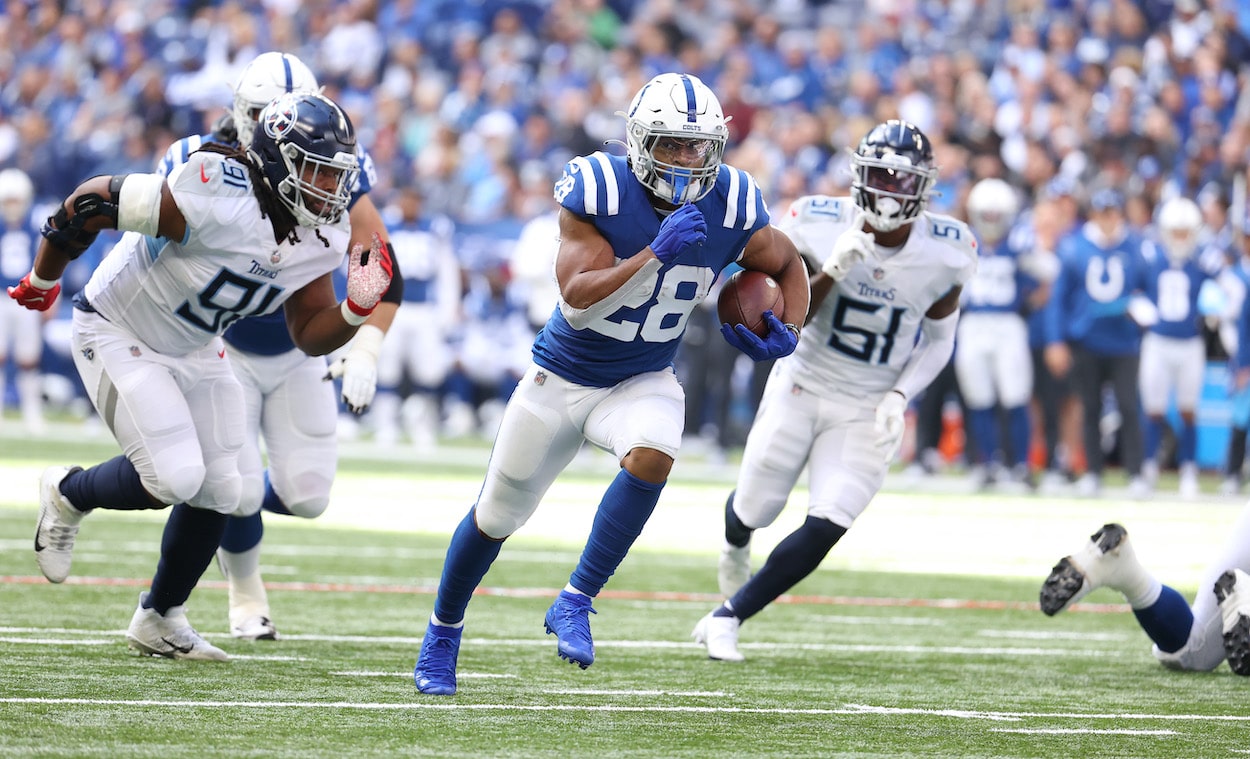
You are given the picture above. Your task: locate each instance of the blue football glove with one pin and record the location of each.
(683, 228)
(781, 340)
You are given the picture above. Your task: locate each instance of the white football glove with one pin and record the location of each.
(359, 369)
(891, 423)
(851, 247)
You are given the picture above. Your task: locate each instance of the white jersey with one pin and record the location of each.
(860, 338)
(176, 295)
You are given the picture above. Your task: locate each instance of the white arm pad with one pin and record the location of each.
(930, 356)
(580, 318)
(139, 204)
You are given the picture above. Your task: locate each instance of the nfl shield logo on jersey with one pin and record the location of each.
(878, 273)
(540, 378)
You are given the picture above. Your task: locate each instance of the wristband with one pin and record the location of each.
(39, 282)
(350, 316)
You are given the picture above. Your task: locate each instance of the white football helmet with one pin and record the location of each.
(680, 115)
(17, 194)
(1179, 222)
(265, 78)
(992, 207)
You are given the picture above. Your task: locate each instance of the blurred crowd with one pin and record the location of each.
(470, 108)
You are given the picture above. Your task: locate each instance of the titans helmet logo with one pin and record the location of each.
(281, 117)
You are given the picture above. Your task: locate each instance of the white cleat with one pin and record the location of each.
(249, 602)
(734, 568)
(1233, 592)
(1089, 486)
(1189, 489)
(170, 636)
(58, 526)
(1107, 559)
(254, 628)
(720, 636)
(1140, 489)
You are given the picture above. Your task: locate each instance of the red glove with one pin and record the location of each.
(368, 278)
(35, 293)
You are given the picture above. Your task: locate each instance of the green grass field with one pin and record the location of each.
(919, 636)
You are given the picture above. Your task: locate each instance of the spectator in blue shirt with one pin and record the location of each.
(1093, 325)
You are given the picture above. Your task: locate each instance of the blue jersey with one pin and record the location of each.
(18, 244)
(999, 285)
(265, 335)
(1174, 291)
(422, 251)
(643, 334)
(1089, 303)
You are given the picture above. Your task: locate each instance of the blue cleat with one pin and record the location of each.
(569, 619)
(435, 673)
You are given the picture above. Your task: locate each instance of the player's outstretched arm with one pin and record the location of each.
(130, 202)
(318, 322)
(359, 367)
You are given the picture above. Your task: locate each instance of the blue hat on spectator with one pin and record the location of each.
(1106, 198)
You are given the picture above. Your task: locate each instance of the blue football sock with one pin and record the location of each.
(1019, 433)
(114, 484)
(1167, 621)
(191, 538)
(736, 533)
(983, 428)
(1187, 445)
(243, 533)
(1153, 429)
(468, 558)
(794, 558)
(623, 512)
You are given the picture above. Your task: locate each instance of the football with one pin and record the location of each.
(745, 298)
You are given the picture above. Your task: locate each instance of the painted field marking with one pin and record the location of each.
(629, 595)
(616, 644)
(848, 709)
(1079, 731)
(408, 675)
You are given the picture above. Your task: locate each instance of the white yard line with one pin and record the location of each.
(849, 709)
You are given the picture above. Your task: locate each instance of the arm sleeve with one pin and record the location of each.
(931, 354)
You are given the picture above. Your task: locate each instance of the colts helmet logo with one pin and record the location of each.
(281, 117)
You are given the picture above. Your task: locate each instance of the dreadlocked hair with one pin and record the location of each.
(271, 206)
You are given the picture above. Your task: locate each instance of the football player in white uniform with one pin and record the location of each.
(1184, 637)
(289, 403)
(885, 304)
(228, 234)
(642, 238)
(993, 364)
(20, 329)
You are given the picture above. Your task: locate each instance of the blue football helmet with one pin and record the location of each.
(894, 174)
(307, 149)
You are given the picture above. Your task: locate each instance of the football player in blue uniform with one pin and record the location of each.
(20, 329)
(1093, 325)
(1173, 351)
(229, 233)
(993, 362)
(642, 238)
(289, 403)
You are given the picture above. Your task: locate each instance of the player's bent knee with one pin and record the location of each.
(177, 484)
(648, 464)
(308, 508)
